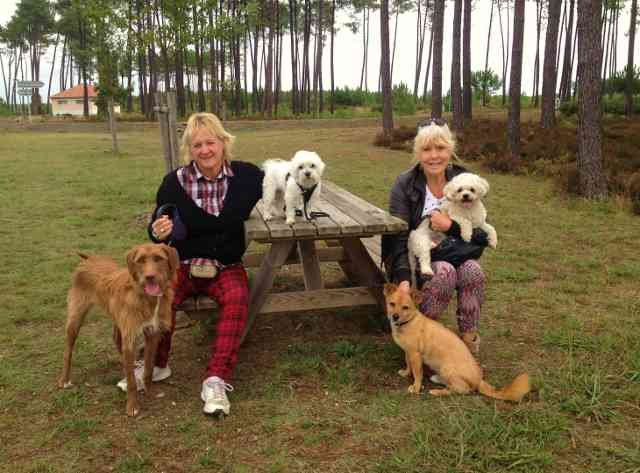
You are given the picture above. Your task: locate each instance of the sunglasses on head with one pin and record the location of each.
(431, 121)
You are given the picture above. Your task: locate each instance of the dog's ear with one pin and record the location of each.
(449, 190)
(131, 260)
(172, 254)
(320, 164)
(389, 288)
(416, 296)
(483, 184)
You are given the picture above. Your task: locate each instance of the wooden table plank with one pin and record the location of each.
(296, 300)
(277, 227)
(255, 228)
(342, 224)
(371, 217)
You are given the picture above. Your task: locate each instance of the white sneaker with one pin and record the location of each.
(214, 396)
(436, 379)
(159, 374)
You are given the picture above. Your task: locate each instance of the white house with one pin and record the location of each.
(70, 101)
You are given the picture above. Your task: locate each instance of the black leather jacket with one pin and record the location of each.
(407, 202)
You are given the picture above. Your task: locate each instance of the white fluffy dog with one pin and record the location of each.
(462, 204)
(288, 184)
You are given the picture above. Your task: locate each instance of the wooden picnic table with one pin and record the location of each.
(352, 234)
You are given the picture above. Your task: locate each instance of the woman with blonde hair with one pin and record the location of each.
(418, 194)
(200, 210)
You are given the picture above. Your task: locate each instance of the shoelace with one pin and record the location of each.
(219, 387)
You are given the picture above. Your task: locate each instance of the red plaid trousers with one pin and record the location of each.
(230, 289)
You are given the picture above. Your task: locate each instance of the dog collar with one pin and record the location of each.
(306, 197)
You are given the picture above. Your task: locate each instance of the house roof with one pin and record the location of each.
(76, 92)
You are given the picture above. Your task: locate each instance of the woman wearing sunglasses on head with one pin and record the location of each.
(418, 194)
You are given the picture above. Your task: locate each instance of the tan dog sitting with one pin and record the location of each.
(426, 341)
(138, 298)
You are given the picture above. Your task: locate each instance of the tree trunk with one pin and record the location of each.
(421, 29)
(213, 65)
(305, 57)
(428, 70)
(548, 114)
(466, 62)
(591, 180)
(293, 30)
(536, 62)
(456, 89)
(438, 27)
(199, 62)
(268, 73)
(387, 111)
(395, 36)
(516, 79)
(53, 65)
(486, 60)
(333, 22)
(317, 86)
(565, 81)
(628, 91)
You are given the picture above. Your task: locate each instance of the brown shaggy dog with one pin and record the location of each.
(426, 341)
(138, 299)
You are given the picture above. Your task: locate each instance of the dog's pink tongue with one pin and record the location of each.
(152, 289)
(467, 205)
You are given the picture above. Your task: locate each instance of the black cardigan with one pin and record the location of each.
(222, 237)
(407, 202)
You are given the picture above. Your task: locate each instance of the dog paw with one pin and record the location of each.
(404, 373)
(427, 272)
(132, 409)
(290, 221)
(413, 390)
(62, 384)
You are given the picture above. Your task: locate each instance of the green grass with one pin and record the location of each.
(316, 391)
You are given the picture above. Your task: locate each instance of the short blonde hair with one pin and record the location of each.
(211, 123)
(434, 134)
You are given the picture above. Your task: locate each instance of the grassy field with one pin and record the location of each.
(317, 391)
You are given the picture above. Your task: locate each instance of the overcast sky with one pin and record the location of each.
(348, 55)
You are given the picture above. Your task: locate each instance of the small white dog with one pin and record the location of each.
(462, 204)
(289, 184)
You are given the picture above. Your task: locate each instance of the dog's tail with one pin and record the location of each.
(518, 388)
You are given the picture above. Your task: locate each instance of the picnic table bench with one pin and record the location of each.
(352, 232)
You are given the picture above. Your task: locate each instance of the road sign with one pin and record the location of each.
(30, 83)
(25, 91)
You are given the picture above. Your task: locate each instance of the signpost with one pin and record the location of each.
(30, 84)
(25, 88)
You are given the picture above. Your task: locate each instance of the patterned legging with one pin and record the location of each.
(469, 281)
(231, 291)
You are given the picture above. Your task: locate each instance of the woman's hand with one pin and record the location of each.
(440, 222)
(162, 227)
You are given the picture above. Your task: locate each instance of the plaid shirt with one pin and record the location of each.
(208, 194)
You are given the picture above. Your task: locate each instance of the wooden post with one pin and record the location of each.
(112, 126)
(161, 110)
(172, 131)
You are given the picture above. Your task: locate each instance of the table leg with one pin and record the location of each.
(363, 269)
(263, 282)
(310, 265)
